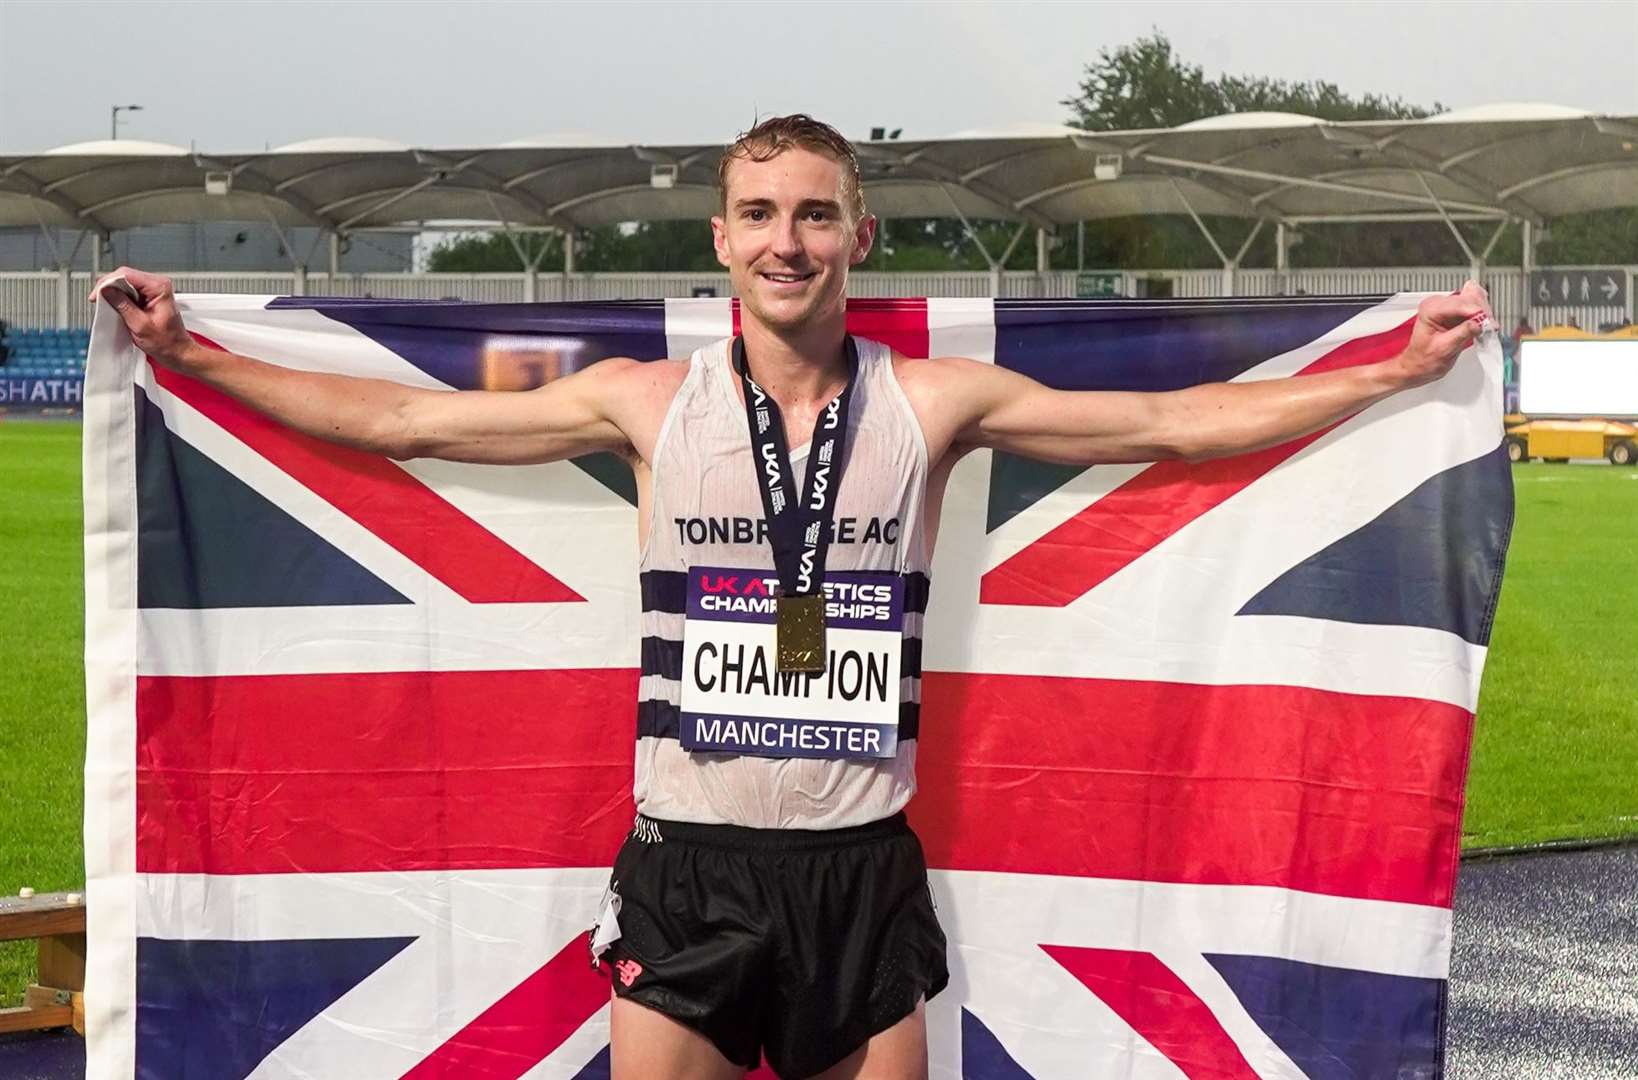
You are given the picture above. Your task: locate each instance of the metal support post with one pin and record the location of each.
(1041, 261)
(1475, 263)
(568, 252)
(1080, 246)
(335, 259)
(1282, 257)
(1233, 265)
(102, 254)
(62, 296)
(1001, 263)
(994, 264)
(1527, 263)
(1228, 266)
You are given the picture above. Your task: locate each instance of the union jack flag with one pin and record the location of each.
(1194, 737)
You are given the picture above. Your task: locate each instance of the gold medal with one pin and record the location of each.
(799, 633)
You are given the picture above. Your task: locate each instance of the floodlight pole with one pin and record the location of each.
(113, 118)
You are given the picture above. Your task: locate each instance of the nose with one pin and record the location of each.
(787, 243)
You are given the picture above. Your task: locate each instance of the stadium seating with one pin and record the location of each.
(31, 353)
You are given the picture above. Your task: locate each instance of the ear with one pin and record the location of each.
(719, 240)
(864, 238)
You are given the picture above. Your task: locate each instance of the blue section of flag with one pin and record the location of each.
(982, 1055)
(508, 346)
(597, 1068)
(1339, 1023)
(1433, 559)
(1139, 345)
(213, 1010)
(474, 346)
(205, 539)
(1158, 344)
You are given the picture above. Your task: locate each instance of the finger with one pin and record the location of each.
(1449, 311)
(149, 285)
(118, 299)
(1452, 341)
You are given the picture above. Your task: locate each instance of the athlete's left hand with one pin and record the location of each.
(1445, 325)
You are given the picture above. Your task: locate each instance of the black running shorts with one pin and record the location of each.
(796, 945)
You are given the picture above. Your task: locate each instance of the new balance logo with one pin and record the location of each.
(628, 970)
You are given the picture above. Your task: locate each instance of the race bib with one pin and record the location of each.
(735, 699)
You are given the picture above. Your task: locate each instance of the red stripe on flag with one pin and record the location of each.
(517, 1032)
(898, 323)
(1260, 785)
(1159, 1006)
(1221, 785)
(1112, 533)
(383, 771)
(409, 516)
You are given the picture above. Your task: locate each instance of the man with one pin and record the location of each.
(770, 899)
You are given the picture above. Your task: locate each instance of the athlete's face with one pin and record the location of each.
(788, 237)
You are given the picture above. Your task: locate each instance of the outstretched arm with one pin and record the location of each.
(577, 414)
(968, 404)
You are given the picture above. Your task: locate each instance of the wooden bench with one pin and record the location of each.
(57, 922)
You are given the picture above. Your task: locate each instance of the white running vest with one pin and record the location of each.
(706, 510)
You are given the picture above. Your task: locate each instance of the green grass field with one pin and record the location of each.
(1555, 749)
(1555, 755)
(42, 683)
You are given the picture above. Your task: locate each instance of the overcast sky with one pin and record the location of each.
(241, 75)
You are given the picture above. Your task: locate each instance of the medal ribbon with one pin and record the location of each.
(798, 526)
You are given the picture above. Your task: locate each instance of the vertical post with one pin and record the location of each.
(1282, 257)
(335, 259)
(528, 284)
(1080, 246)
(300, 286)
(1527, 245)
(1041, 261)
(995, 280)
(62, 296)
(568, 252)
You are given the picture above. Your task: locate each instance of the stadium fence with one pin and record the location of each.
(52, 298)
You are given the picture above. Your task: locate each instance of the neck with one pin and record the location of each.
(804, 365)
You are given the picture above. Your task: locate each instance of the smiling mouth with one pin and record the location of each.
(787, 279)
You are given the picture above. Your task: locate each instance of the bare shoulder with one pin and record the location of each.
(636, 394)
(944, 393)
(637, 375)
(941, 381)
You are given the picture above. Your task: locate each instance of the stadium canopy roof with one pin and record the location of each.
(1500, 162)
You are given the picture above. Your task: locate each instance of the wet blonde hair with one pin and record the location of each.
(775, 135)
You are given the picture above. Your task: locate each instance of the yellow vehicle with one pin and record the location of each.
(1561, 440)
(1578, 397)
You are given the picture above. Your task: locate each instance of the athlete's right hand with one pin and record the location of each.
(155, 324)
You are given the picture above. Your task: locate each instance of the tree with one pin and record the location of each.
(1144, 85)
(479, 253)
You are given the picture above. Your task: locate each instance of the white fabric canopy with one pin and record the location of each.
(1502, 162)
